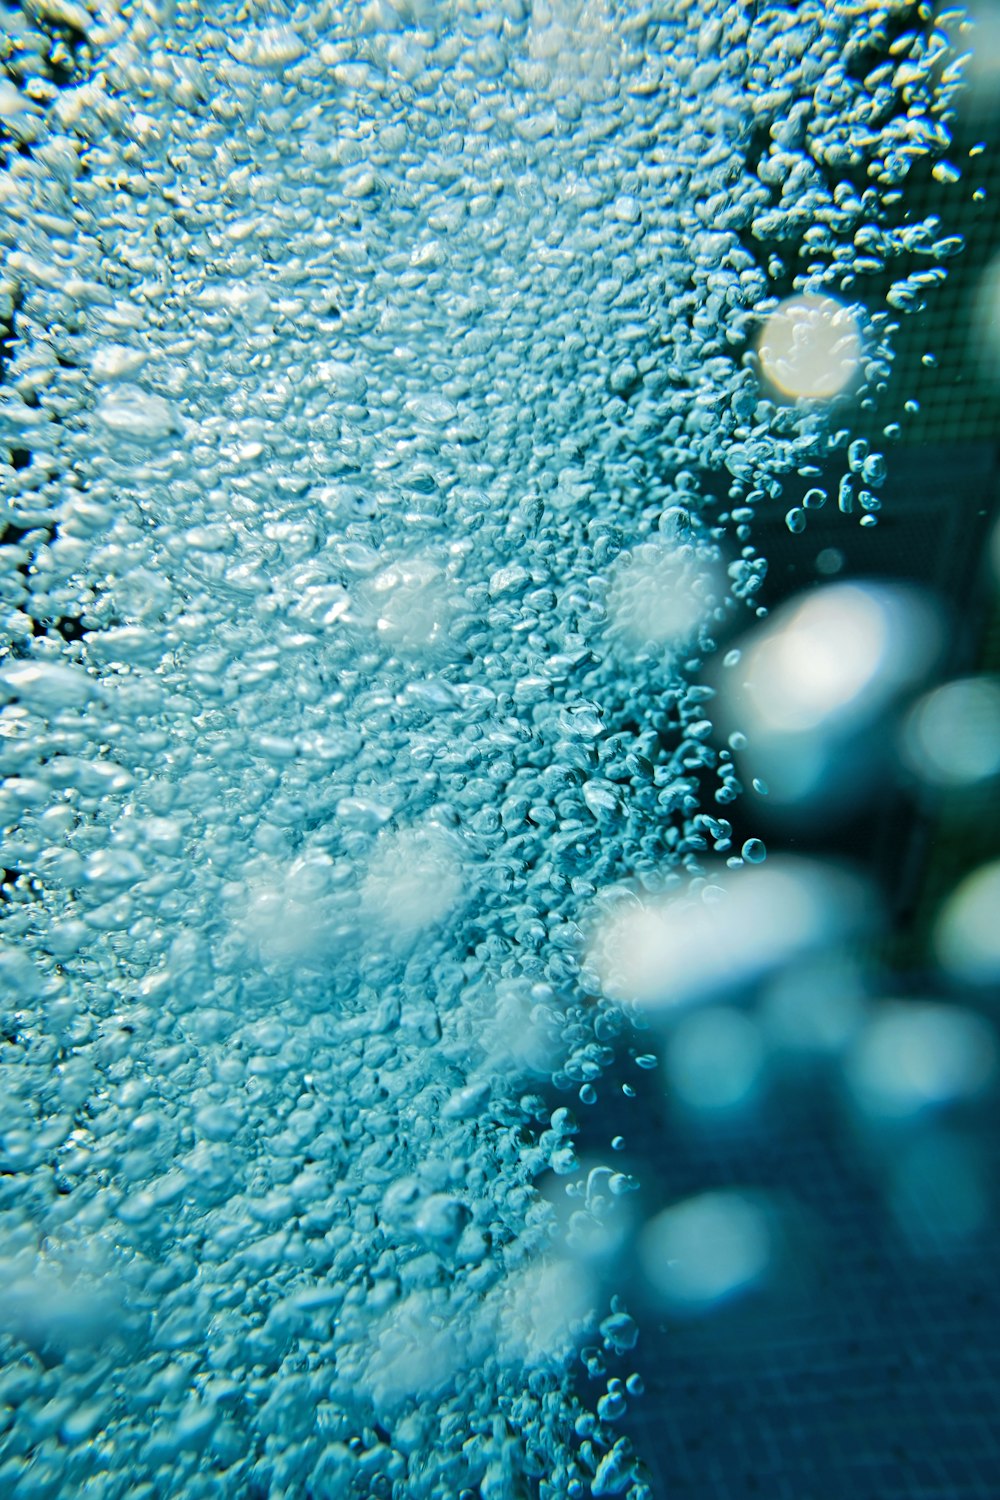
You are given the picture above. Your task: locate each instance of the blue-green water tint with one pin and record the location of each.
(373, 379)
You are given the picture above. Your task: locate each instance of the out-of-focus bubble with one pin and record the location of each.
(548, 1309)
(916, 1056)
(810, 347)
(575, 41)
(417, 1349)
(818, 674)
(939, 1190)
(967, 932)
(706, 1250)
(813, 1008)
(660, 595)
(715, 1060)
(829, 562)
(414, 882)
(983, 67)
(412, 605)
(952, 735)
(834, 655)
(58, 1311)
(988, 321)
(671, 951)
(288, 917)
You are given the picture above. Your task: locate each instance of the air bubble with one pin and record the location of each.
(364, 396)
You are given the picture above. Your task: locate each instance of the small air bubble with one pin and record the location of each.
(874, 469)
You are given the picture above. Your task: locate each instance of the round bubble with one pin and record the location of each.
(810, 347)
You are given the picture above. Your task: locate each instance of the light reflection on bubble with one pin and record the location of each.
(810, 347)
(414, 882)
(659, 595)
(833, 656)
(820, 672)
(412, 605)
(952, 735)
(706, 1250)
(671, 951)
(715, 1060)
(916, 1056)
(967, 932)
(547, 1310)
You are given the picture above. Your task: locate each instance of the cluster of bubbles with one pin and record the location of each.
(374, 380)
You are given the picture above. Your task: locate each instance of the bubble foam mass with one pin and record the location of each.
(371, 379)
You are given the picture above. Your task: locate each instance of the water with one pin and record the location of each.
(376, 381)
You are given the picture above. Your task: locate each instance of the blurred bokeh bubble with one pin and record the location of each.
(670, 951)
(815, 682)
(967, 931)
(951, 736)
(916, 1056)
(715, 1061)
(706, 1250)
(810, 347)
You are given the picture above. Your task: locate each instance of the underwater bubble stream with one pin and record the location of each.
(388, 392)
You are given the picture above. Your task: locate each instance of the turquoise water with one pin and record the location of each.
(389, 392)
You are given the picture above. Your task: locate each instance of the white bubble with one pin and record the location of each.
(414, 882)
(548, 1309)
(293, 918)
(967, 932)
(271, 48)
(129, 412)
(820, 672)
(810, 346)
(412, 605)
(418, 1348)
(952, 735)
(660, 595)
(13, 103)
(833, 656)
(920, 1055)
(670, 951)
(706, 1250)
(48, 686)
